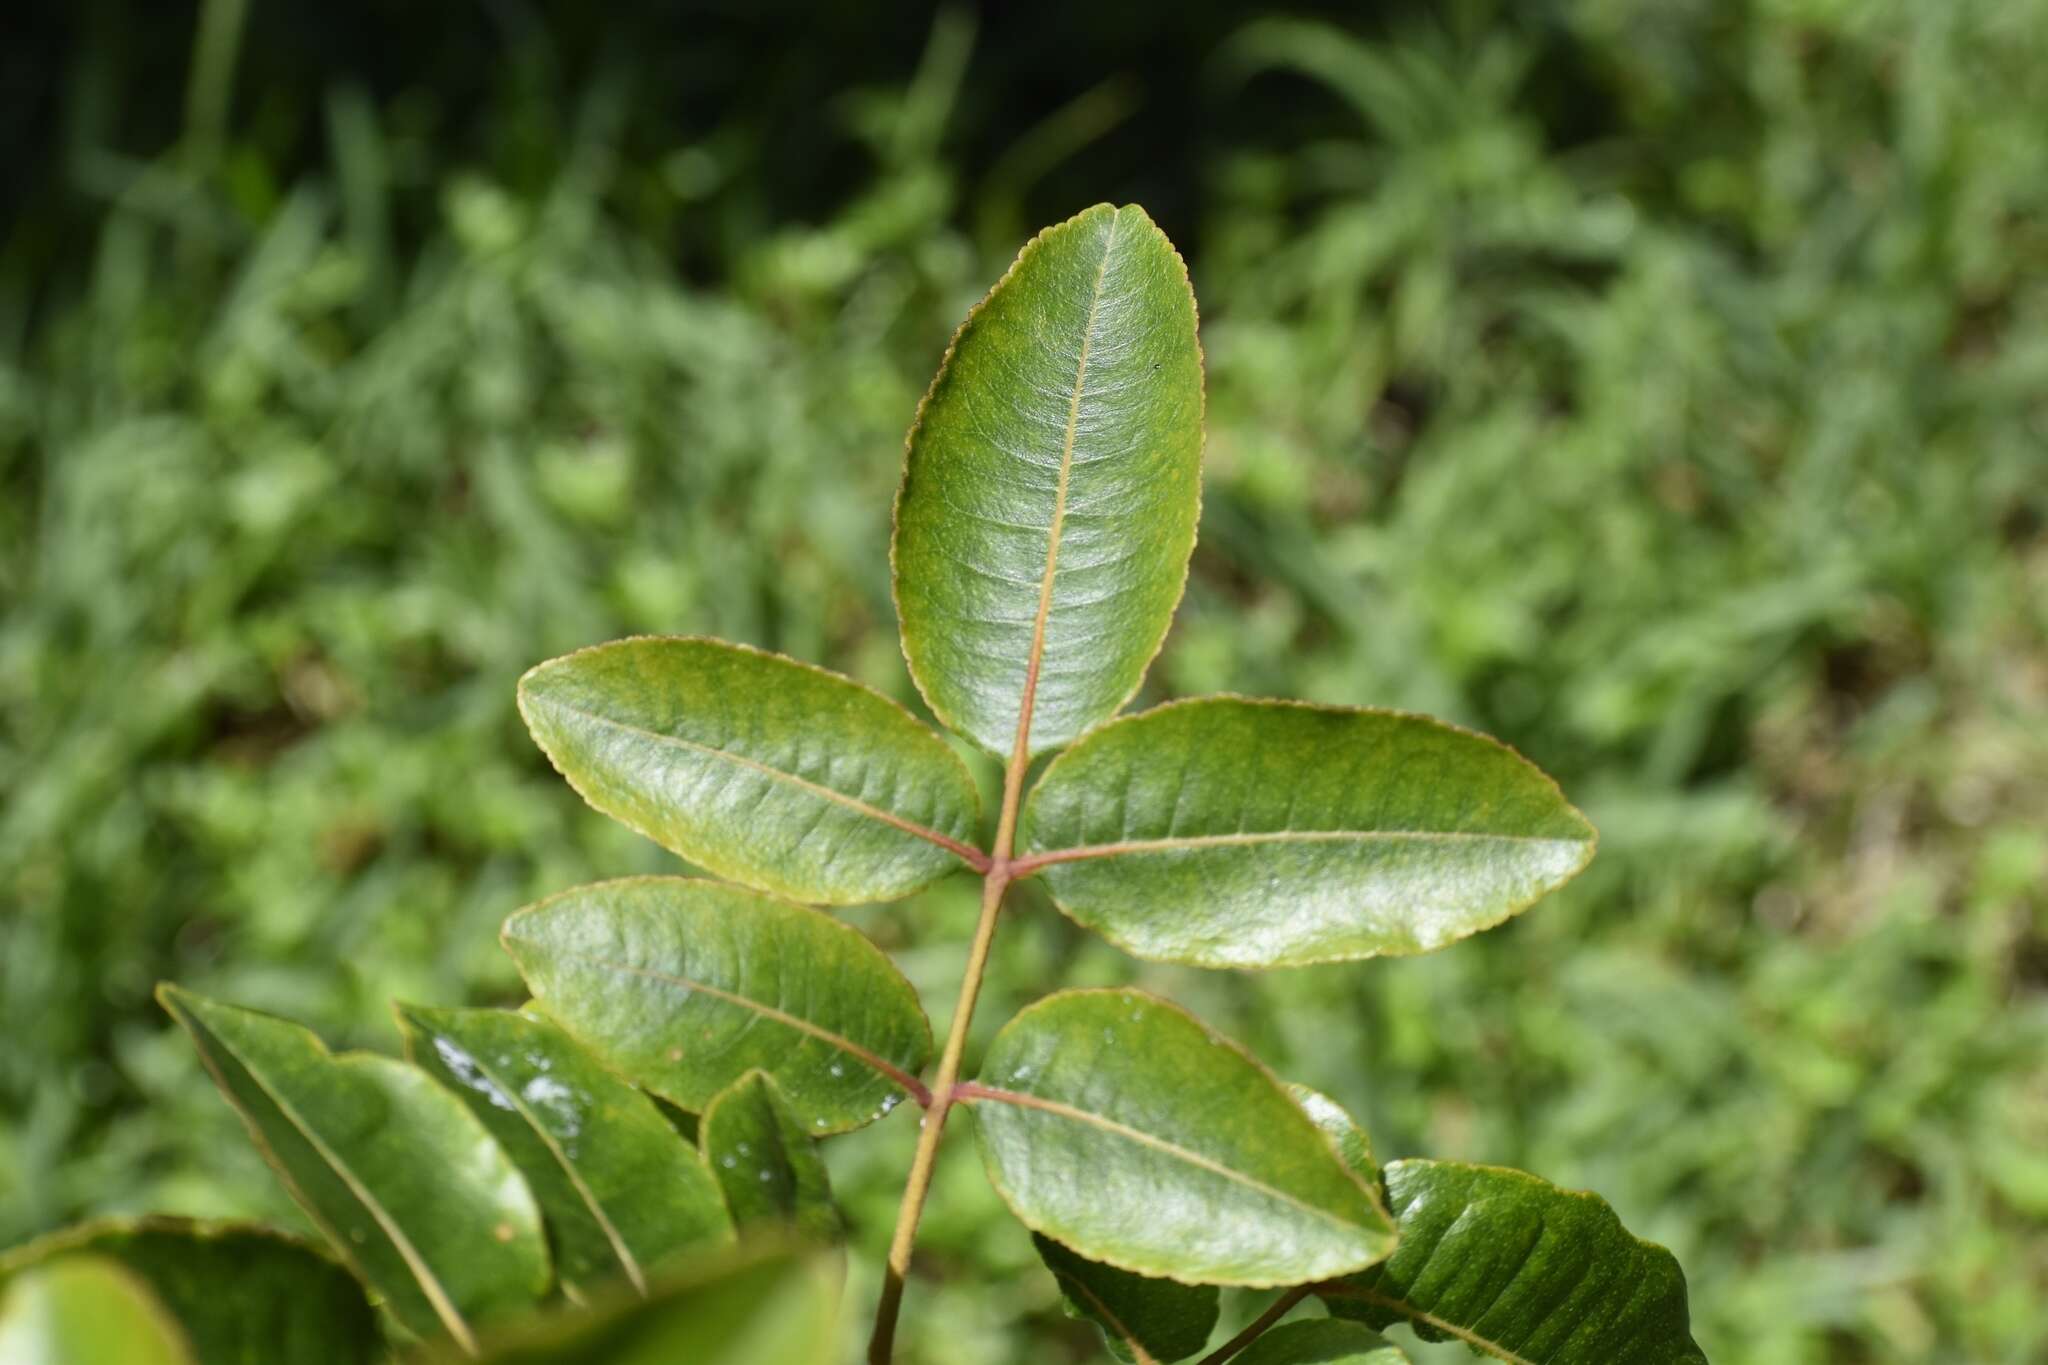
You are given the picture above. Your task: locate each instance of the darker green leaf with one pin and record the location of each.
(1322, 1341)
(621, 1190)
(1049, 498)
(240, 1294)
(1234, 833)
(685, 986)
(1142, 1319)
(405, 1182)
(1517, 1268)
(766, 1162)
(1119, 1125)
(764, 770)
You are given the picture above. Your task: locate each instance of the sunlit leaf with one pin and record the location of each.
(87, 1310)
(407, 1184)
(1234, 833)
(685, 986)
(621, 1190)
(1119, 1125)
(1517, 1268)
(1142, 1318)
(1050, 494)
(764, 770)
(1343, 1130)
(238, 1292)
(766, 1162)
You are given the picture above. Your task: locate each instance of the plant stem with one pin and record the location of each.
(1277, 1310)
(882, 1345)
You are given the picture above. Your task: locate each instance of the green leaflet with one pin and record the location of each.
(240, 1294)
(762, 769)
(761, 1304)
(621, 1190)
(1142, 1319)
(766, 1163)
(1233, 833)
(1119, 1125)
(1051, 487)
(685, 986)
(1343, 1130)
(87, 1310)
(1322, 1341)
(1517, 1268)
(406, 1183)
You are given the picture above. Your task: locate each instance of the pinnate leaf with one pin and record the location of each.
(684, 986)
(1517, 1268)
(407, 1184)
(87, 1310)
(1119, 1125)
(1232, 833)
(1142, 1319)
(1321, 1341)
(620, 1188)
(766, 771)
(1052, 483)
(238, 1293)
(766, 1163)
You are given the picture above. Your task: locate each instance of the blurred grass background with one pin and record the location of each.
(1661, 385)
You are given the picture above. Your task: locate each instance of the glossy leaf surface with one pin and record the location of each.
(87, 1310)
(1322, 1341)
(621, 1190)
(1233, 833)
(753, 1306)
(764, 770)
(1052, 483)
(1343, 1130)
(1518, 1268)
(1142, 1319)
(240, 1294)
(1119, 1125)
(407, 1184)
(684, 986)
(766, 1162)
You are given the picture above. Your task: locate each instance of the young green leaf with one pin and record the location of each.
(1144, 1320)
(1343, 1130)
(767, 1164)
(685, 986)
(1322, 1341)
(87, 1310)
(1051, 487)
(1517, 1268)
(238, 1292)
(1119, 1125)
(764, 770)
(407, 1184)
(761, 1304)
(621, 1190)
(1233, 833)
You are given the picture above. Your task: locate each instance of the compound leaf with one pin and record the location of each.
(1119, 1125)
(240, 1294)
(86, 1310)
(766, 1163)
(1145, 1320)
(684, 986)
(1517, 1268)
(1051, 486)
(407, 1184)
(764, 770)
(1322, 1341)
(621, 1190)
(1232, 833)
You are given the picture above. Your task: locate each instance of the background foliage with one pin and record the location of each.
(1662, 387)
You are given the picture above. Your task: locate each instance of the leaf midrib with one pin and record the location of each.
(1139, 1355)
(976, 1091)
(951, 845)
(1408, 1310)
(896, 1075)
(1302, 836)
